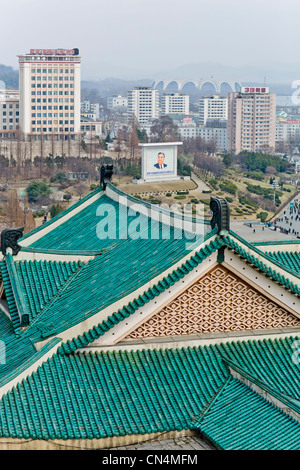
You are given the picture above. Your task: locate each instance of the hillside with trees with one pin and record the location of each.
(9, 76)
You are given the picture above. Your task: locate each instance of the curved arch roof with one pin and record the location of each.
(233, 84)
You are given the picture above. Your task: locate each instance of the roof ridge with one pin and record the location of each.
(60, 291)
(61, 214)
(281, 279)
(263, 254)
(155, 207)
(209, 404)
(116, 317)
(10, 298)
(281, 396)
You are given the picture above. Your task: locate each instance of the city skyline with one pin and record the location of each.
(138, 40)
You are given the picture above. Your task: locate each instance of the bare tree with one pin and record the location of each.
(164, 130)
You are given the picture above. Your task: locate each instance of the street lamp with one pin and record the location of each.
(274, 186)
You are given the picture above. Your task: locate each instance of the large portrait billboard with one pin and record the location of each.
(159, 161)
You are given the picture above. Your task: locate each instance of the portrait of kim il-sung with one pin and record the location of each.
(160, 161)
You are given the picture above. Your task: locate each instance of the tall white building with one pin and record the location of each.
(50, 93)
(175, 103)
(88, 107)
(9, 112)
(215, 132)
(251, 120)
(117, 101)
(213, 108)
(286, 129)
(143, 102)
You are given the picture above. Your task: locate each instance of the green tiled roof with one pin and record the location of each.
(274, 365)
(110, 277)
(271, 271)
(42, 280)
(30, 285)
(202, 254)
(289, 259)
(11, 302)
(62, 214)
(79, 232)
(105, 394)
(240, 419)
(169, 280)
(87, 396)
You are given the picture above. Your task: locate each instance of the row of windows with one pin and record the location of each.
(44, 100)
(66, 98)
(49, 115)
(55, 85)
(55, 129)
(55, 79)
(10, 120)
(66, 121)
(4, 106)
(10, 113)
(64, 70)
(54, 107)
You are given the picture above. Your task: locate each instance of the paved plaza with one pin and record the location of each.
(190, 443)
(259, 232)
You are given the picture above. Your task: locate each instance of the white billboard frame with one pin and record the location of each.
(150, 161)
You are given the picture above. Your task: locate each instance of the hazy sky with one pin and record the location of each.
(153, 35)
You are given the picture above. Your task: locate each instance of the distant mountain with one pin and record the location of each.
(276, 73)
(110, 79)
(111, 86)
(279, 73)
(9, 77)
(269, 73)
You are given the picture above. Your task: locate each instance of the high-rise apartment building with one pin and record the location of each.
(9, 113)
(251, 120)
(175, 103)
(50, 94)
(116, 101)
(143, 102)
(212, 108)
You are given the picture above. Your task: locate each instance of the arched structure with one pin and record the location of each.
(217, 83)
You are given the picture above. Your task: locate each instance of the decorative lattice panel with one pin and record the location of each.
(220, 301)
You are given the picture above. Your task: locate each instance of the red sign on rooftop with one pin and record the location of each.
(245, 89)
(54, 51)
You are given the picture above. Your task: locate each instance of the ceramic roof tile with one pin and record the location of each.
(240, 419)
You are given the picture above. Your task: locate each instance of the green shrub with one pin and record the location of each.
(245, 201)
(154, 201)
(55, 210)
(37, 189)
(228, 187)
(38, 214)
(262, 216)
(256, 175)
(205, 201)
(214, 183)
(58, 177)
